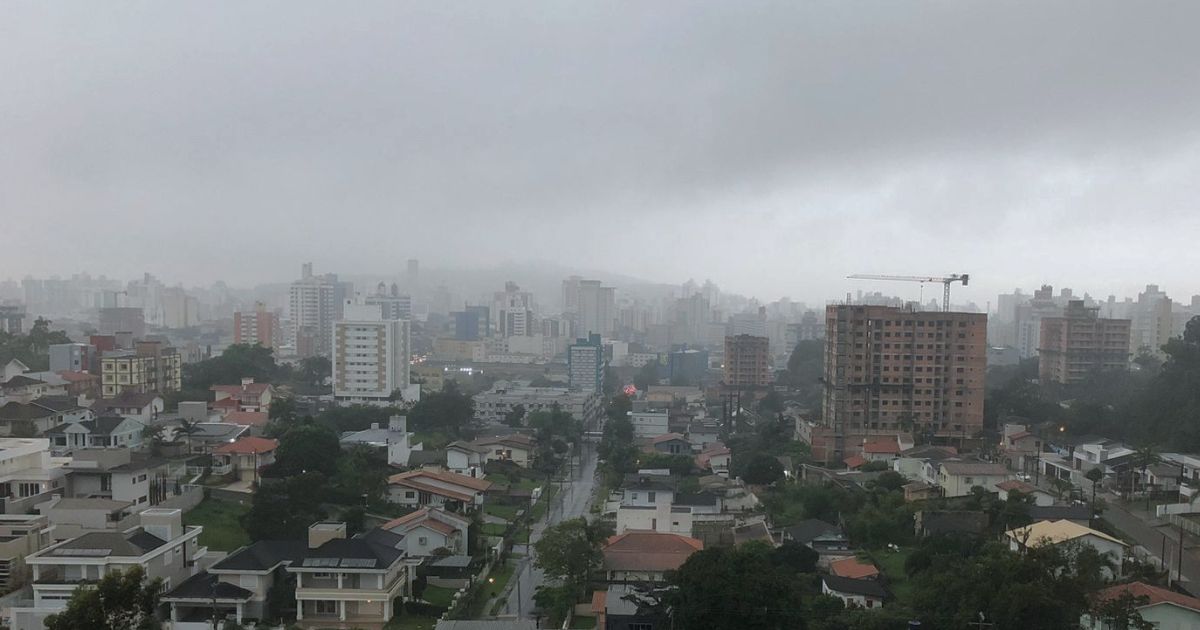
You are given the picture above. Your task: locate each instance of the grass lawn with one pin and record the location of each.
(506, 512)
(493, 529)
(501, 577)
(438, 595)
(583, 623)
(411, 622)
(892, 565)
(222, 531)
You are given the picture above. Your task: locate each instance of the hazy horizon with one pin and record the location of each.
(774, 148)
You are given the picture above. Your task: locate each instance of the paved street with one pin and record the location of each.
(573, 500)
(1136, 524)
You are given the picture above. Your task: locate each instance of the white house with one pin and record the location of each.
(1163, 609)
(395, 437)
(436, 488)
(161, 545)
(105, 431)
(647, 424)
(1040, 497)
(429, 529)
(465, 458)
(1064, 531)
(516, 448)
(957, 477)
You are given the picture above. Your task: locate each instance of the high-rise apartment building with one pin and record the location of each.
(1028, 323)
(585, 365)
(512, 311)
(394, 304)
(892, 371)
(1152, 322)
(1081, 342)
(747, 361)
(259, 326)
(316, 302)
(370, 354)
(150, 368)
(595, 307)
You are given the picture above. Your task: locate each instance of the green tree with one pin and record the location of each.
(450, 411)
(1122, 612)
(282, 509)
(187, 428)
(514, 416)
(32, 348)
(121, 600)
(762, 470)
(570, 551)
(739, 588)
(304, 448)
(1094, 475)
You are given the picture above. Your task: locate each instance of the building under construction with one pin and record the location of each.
(900, 372)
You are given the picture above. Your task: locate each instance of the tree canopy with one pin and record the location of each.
(32, 348)
(121, 600)
(307, 446)
(283, 509)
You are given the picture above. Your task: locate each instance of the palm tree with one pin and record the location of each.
(1094, 475)
(188, 428)
(1144, 457)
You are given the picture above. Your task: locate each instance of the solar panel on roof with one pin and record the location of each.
(89, 553)
(358, 563)
(320, 562)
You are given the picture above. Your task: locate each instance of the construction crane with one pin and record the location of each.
(946, 282)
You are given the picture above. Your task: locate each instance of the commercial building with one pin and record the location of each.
(151, 367)
(512, 311)
(1081, 342)
(259, 326)
(472, 323)
(594, 306)
(370, 354)
(316, 303)
(892, 371)
(747, 361)
(492, 405)
(585, 365)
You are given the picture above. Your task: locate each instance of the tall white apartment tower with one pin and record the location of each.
(315, 304)
(370, 354)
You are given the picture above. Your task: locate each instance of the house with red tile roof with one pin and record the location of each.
(1161, 607)
(436, 488)
(646, 556)
(245, 457)
(854, 568)
(881, 450)
(250, 396)
(429, 529)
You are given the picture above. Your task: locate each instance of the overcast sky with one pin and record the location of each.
(772, 147)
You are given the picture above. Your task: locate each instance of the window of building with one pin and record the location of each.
(326, 606)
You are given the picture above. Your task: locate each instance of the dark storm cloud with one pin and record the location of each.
(772, 146)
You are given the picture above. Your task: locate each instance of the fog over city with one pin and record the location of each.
(772, 147)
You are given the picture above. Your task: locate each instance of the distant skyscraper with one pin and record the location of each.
(259, 326)
(1079, 343)
(395, 305)
(747, 361)
(316, 302)
(471, 323)
(124, 319)
(412, 274)
(512, 311)
(1152, 322)
(597, 308)
(585, 365)
(370, 354)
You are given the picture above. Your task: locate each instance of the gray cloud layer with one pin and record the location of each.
(774, 147)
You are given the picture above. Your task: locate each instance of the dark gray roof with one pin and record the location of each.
(13, 410)
(262, 555)
(363, 552)
(805, 532)
(695, 498)
(61, 404)
(752, 531)
(21, 380)
(421, 458)
(648, 482)
(1059, 512)
(109, 544)
(870, 588)
(102, 425)
(207, 586)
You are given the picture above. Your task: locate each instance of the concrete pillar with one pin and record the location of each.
(342, 609)
(299, 610)
(174, 612)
